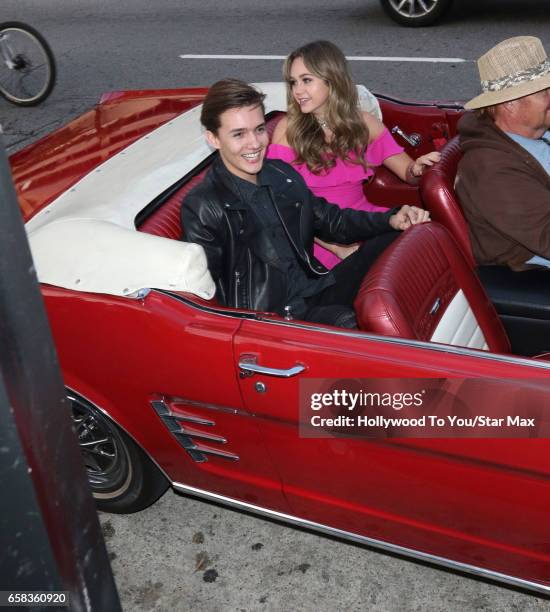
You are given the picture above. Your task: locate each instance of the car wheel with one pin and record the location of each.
(415, 13)
(122, 477)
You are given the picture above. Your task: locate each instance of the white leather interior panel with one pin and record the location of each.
(458, 325)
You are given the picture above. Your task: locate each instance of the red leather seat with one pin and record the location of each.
(422, 287)
(166, 220)
(438, 193)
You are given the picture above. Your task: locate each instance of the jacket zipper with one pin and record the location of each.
(249, 297)
(307, 260)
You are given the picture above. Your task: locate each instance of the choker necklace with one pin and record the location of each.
(322, 123)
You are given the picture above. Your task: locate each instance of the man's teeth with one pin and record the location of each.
(251, 155)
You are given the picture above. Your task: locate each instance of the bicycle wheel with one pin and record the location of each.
(27, 65)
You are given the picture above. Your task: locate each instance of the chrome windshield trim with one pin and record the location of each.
(359, 539)
(358, 335)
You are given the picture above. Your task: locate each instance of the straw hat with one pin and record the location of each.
(514, 68)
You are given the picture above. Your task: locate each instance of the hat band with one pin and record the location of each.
(513, 80)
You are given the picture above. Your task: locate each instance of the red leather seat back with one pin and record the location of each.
(438, 193)
(422, 287)
(272, 122)
(166, 220)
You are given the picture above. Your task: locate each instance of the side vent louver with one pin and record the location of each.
(187, 435)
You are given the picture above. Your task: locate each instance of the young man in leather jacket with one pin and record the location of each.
(257, 221)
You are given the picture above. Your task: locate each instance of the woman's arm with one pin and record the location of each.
(401, 165)
(410, 170)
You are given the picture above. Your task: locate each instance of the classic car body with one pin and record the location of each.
(159, 377)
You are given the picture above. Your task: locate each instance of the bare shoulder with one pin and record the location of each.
(279, 133)
(374, 125)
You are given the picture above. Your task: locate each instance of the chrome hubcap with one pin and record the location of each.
(98, 443)
(413, 8)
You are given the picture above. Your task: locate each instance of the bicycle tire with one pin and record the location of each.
(39, 43)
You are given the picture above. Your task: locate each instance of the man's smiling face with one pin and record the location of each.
(242, 141)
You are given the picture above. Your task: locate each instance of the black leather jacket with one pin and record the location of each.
(241, 257)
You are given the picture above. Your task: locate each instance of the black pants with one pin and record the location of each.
(334, 305)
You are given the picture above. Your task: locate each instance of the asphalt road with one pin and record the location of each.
(185, 554)
(103, 45)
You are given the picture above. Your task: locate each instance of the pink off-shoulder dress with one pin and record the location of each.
(343, 184)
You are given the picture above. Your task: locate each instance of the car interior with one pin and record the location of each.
(487, 307)
(521, 299)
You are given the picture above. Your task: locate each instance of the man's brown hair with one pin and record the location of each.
(225, 95)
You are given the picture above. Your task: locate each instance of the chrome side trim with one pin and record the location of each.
(217, 407)
(451, 105)
(216, 453)
(171, 420)
(204, 436)
(359, 539)
(357, 335)
(197, 420)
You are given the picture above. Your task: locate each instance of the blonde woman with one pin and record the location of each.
(330, 141)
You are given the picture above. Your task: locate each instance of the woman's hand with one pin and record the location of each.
(340, 250)
(407, 216)
(424, 161)
(344, 250)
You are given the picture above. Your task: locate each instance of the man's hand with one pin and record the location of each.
(407, 216)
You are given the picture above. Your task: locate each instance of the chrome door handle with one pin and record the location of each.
(413, 139)
(249, 367)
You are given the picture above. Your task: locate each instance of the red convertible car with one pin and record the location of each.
(169, 388)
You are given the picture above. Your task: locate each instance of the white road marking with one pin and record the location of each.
(353, 58)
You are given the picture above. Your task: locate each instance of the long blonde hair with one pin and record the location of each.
(304, 134)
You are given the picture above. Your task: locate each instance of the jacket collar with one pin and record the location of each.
(228, 191)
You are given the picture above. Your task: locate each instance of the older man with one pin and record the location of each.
(504, 177)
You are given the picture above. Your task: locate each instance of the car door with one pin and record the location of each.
(162, 368)
(476, 502)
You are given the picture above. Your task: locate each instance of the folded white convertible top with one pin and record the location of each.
(101, 257)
